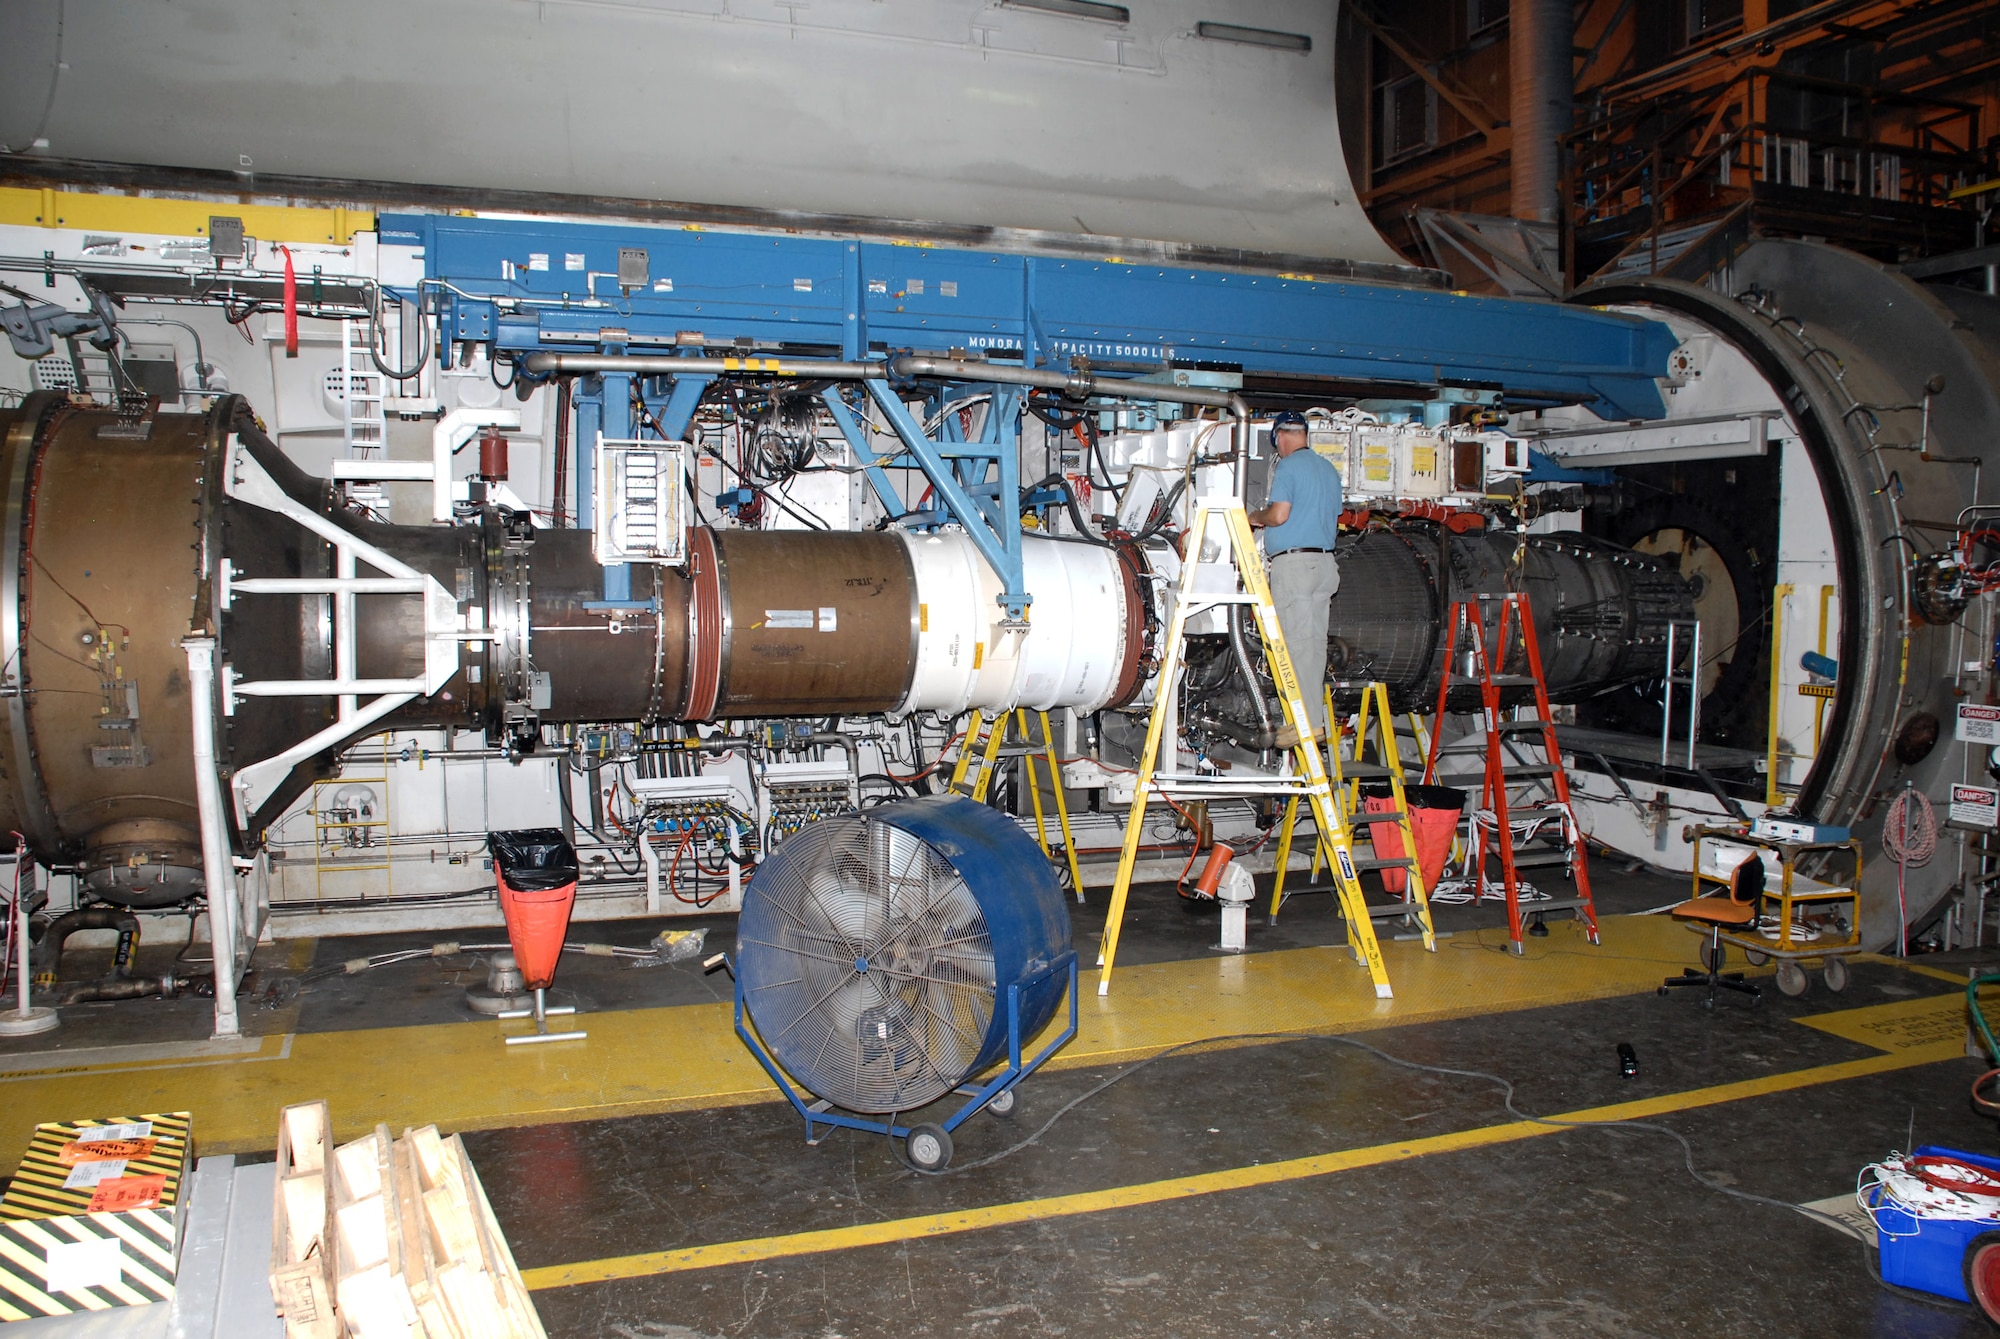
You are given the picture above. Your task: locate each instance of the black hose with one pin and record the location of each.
(563, 773)
(375, 343)
(1082, 418)
(1084, 529)
(568, 809)
(1241, 646)
(47, 954)
(1166, 511)
(1054, 417)
(119, 988)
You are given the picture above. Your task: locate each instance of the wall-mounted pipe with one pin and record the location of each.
(902, 367)
(1077, 383)
(48, 950)
(667, 365)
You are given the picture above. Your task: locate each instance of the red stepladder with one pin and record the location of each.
(1494, 635)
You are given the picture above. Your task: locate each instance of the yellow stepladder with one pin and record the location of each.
(1309, 781)
(988, 755)
(1349, 774)
(1335, 727)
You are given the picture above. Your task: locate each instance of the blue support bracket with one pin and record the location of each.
(609, 410)
(864, 454)
(993, 526)
(681, 404)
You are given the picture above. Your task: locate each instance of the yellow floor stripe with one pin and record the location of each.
(1207, 1183)
(1921, 969)
(460, 1076)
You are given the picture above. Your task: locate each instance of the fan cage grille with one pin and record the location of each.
(868, 967)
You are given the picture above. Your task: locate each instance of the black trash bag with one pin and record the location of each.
(533, 860)
(1435, 797)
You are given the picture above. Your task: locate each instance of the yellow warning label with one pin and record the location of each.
(1905, 1025)
(923, 618)
(978, 654)
(1815, 690)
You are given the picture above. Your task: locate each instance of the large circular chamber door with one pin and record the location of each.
(1890, 390)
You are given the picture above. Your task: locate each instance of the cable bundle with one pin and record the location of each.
(1927, 1186)
(1455, 892)
(1910, 828)
(1909, 835)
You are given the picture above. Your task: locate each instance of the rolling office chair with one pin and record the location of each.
(1737, 908)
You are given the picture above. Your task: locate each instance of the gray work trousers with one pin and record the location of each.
(1302, 586)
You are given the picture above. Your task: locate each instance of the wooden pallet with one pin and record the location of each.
(301, 1261)
(405, 1239)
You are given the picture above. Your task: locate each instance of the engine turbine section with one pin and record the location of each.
(1601, 611)
(127, 532)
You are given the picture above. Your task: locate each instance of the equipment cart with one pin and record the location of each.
(1811, 900)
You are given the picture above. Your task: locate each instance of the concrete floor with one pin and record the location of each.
(1291, 1188)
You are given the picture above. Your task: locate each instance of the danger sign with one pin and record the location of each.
(1978, 806)
(1978, 725)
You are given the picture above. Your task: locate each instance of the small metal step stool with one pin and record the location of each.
(985, 743)
(1512, 645)
(1347, 775)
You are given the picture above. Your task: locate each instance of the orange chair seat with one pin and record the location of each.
(1716, 911)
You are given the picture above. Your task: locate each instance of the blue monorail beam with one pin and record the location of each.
(528, 285)
(524, 287)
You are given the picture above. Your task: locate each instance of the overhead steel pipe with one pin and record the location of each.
(1077, 383)
(1540, 41)
(668, 365)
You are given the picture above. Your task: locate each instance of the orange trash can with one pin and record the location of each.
(536, 869)
(1434, 814)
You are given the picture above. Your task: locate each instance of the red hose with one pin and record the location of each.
(291, 306)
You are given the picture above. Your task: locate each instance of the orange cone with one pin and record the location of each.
(537, 923)
(1434, 812)
(536, 869)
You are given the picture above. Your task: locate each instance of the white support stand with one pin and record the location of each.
(651, 860)
(217, 863)
(452, 431)
(25, 1019)
(540, 1013)
(444, 629)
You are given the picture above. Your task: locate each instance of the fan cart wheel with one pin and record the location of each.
(1713, 956)
(1791, 978)
(1982, 1273)
(1002, 1104)
(929, 1148)
(1835, 973)
(1754, 958)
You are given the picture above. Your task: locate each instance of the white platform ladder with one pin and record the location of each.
(363, 421)
(1221, 526)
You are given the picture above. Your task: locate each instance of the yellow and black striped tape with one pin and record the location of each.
(46, 1228)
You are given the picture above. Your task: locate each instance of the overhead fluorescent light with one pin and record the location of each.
(1076, 9)
(1230, 32)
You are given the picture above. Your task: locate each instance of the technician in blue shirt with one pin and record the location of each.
(1301, 520)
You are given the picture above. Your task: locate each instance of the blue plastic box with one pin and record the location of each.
(1932, 1257)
